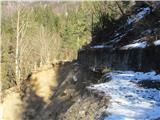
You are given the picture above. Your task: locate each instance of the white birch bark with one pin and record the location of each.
(17, 49)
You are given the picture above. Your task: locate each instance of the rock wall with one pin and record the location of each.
(137, 59)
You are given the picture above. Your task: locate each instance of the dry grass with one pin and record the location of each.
(43, 82)
(11, 106)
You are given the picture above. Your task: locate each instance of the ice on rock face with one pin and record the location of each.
(128, 101)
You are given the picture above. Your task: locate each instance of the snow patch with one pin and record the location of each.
(130, 102)
(135, 45)
(131, 75)
(139, 15)
(157, 42)
(100, 46)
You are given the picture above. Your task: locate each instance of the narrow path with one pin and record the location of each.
(128, 100)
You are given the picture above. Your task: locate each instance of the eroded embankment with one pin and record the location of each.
(68, 99)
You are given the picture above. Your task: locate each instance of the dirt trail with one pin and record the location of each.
(129, 100)
(57, 93)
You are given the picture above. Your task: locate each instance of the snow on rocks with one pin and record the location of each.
(100, 46)
(128, 101)
(157, 42)
(139, 15)
(139, 44)
(131, 75)
(135, 45)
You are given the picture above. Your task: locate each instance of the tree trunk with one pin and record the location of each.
(17, 72)
(120, 8)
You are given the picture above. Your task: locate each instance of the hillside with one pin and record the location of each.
(82, 61)
(133, 46)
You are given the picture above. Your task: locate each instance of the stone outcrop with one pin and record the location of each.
(137, 59)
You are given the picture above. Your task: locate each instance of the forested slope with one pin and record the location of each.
(80, 60)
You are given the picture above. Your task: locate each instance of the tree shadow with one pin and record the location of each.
(32, 106)
(72, 81)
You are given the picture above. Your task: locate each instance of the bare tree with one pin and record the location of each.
(48, 44)
(21, 45)
(17, 70)
(120, 7)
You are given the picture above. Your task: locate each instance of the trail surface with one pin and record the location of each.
(129, 101)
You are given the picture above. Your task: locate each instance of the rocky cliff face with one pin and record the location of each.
(133, 59)
(135, 45)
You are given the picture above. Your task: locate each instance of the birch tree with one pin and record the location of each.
(21, 45)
